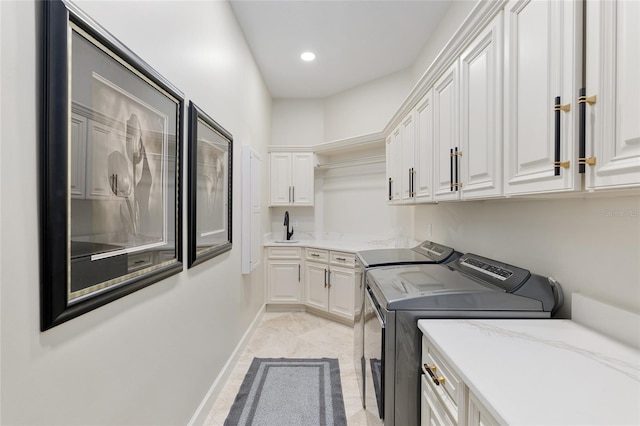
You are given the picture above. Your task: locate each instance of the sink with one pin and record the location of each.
(286, 241)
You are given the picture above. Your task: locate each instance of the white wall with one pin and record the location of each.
(590, 245)
(365, 108)
(450, 22)
(297, 122)
(150, 357)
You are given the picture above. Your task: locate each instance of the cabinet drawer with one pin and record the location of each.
(317, 255)
(343, 259)
(448, 385)
(139, 261)
(284, 252)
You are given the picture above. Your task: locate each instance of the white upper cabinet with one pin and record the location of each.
(408, 135)
(543, 44)
(481, 115)
(446, 144)
(423, 173)
(291, 179)
(280, 174)
(302, 191)
(611, 100)
(394, 157)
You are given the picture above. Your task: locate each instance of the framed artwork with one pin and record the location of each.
(110, 168)
(210, 173)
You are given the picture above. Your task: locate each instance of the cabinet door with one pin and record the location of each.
(424, 150)
(432, 411)
(445, 101)
(284, 281)
(407, 135)
(613, 122)
(341, 292)
(394, 158)
(302, 193)
(316, 290)
(78, 156)
(481, 114)
(280, 178)
(478, 414)
(543, 43)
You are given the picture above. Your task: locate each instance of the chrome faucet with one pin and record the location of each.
(287, 234)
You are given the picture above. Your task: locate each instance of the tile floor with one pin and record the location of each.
(297, 335)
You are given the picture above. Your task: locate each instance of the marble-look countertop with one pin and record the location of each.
(542, 372)
(335, 242)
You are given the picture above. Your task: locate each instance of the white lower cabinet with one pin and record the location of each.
(432, 410)
(478, 414)
(316, 285)
(284, 275)
(330, 282)
(444, 398)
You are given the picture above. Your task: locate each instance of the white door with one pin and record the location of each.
(613, 67)
(445, 101)
(280, 178)
(316, 285)
(302, 193)
(407, 135)
(284, 281)
(424, 149)
(341, 292)
(543, 42)
(481, 114)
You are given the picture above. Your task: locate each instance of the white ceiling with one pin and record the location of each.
(355, 41)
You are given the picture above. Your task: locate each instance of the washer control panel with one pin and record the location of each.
(502, 275)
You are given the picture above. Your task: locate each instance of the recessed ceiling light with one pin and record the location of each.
(308, 56)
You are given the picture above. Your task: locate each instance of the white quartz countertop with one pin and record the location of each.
(335, 244)
(542, 372)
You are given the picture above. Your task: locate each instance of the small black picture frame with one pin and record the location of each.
(110, 174)
(209, 185)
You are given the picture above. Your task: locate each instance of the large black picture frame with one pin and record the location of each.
(110, 174)
(210, 187)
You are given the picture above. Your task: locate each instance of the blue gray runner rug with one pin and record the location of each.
(290, 392)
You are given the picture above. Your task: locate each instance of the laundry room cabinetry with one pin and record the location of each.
(284, 275)
(452, 139)
(480, 154)
(444, 397)
(408, 144)
(330, 283)
(416, 134)
(446, 143)
(543, 68)
(443, 394)
(394, 162)
(423, 150)
(291, 179)
(478, 415)
(610, 103)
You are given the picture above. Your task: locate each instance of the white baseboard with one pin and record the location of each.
(200, 415)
